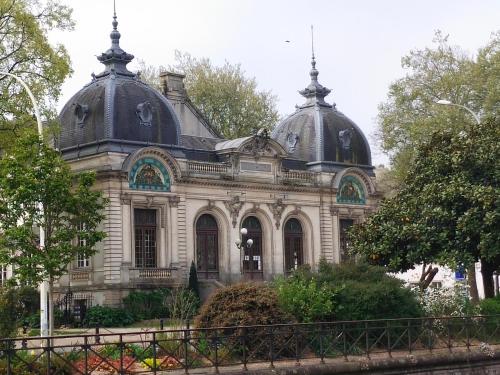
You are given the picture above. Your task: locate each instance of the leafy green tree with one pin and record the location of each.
(32, 175)
(447, 209)
(26, 52)
(229, 100)
(410, 113)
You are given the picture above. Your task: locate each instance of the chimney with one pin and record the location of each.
(173, 86)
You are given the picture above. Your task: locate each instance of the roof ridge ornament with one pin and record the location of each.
(115, 58)
(315, 93)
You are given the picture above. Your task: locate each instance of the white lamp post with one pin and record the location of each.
(447, 102)
(243, 245)
(44, 286)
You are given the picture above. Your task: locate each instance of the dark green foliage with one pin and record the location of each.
(103, 316)
(242, 304)
(306, 299)
(490, 306)
(9, 311)
(356, 292)
(193, 280)
(368, 293)
(447, 209)
(146, 305)
(29, 298)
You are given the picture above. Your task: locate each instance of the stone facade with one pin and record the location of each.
(178, 193)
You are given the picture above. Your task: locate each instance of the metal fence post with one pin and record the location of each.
(367, 340)
(321, 344)
(467, 334)
(121, 354)
(216, 353)
(243, 342)
(271, 347)
(389, 344)
(449, 334)
(9, 351)
(47, 352)
(154, 353)
(86, 354)
(297, 349)
(186, 358)
(344, 336)
(408, 329)
(97, 337)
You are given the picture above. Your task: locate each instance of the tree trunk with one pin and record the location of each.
(51, 308)
(427, 276)
(487, 270)
(471, 281)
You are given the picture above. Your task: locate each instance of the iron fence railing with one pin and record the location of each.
(157, 351)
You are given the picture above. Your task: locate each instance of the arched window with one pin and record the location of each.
(207, 247)
(149, 174)
(294, 256)
(252, 257)
(350, 191)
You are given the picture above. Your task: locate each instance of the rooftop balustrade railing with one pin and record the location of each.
(157, 351)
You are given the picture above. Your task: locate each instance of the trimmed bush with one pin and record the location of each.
(245, 305)
(241, 305)
(103, 316)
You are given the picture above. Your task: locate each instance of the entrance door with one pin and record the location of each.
(207, 233)
(293, 245)
(252, 257)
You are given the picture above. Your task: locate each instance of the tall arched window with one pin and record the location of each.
(207, 247)
(252, 257)
(294, 256)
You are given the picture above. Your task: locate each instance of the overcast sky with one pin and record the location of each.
(358, 44)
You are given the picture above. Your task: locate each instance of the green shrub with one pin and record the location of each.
(245, 304)
(9, 311)
(107, 317)
(305, 299)
(29, 298)
(147, 305)
(490, 306)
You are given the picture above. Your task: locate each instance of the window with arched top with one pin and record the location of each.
(149, 174)
(252, 256)
(351, 191)
(207, 247)
(294, 240)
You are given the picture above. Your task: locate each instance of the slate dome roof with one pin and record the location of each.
(117, 106)
(317, 132)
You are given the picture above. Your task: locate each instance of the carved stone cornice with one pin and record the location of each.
(334, 211)
(174, 200)
(277, 209)
(234, 207)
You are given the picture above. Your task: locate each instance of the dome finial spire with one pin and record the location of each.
(115, 58)
(313, 61)
(314, 93)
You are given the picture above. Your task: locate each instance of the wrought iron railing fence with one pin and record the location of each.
(157, 351)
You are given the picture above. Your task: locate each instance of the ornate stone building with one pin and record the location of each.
(179, 193)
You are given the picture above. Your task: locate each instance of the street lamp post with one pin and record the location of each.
(44, 286)
(243, 245)
(447, 102)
